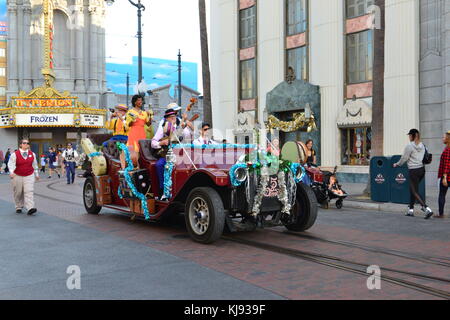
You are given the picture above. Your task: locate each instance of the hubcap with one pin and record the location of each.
(199, 216)
(89, 195)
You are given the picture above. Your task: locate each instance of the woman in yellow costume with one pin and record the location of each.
(136, 120)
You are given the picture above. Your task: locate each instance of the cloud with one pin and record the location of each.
(153, 85)
(161, 76)
(113, 73)
(119, 85)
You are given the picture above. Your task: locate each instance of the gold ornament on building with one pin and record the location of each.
(300, 122)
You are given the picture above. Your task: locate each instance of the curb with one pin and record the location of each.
(382, 207)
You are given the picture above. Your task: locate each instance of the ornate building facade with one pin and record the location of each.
(434, 77)
(329, 45)
(55, 72)
(78, 47)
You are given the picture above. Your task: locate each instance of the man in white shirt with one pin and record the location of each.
(204, 136)
(70, 157)
(24, 171)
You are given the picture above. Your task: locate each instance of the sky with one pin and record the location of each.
(156, 73)
(3, 16)
(167, 27)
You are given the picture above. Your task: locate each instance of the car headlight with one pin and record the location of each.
(240, 174)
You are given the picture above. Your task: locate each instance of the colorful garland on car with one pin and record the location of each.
(126, 173)
(214, 146)
(168, 169)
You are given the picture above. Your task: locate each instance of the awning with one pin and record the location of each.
(355, 114)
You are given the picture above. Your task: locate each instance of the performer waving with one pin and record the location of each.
(117, 124)
(136, 119)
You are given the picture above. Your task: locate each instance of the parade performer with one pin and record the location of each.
(136, 119)
(24, 172)
(117, 125)
(160, 143)
(204, 136)
(182, 122)
(69, 157)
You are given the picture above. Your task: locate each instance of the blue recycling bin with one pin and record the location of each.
(400, 183)
(380, 182)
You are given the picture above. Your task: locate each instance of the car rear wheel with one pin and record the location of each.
(89, 196)
(304, 212)
(204, 215)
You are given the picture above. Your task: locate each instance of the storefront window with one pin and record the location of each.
(356, 145)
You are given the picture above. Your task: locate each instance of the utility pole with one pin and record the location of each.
(179, 78)
(139, 35)
(128, 89)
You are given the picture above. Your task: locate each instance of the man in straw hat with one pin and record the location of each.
(117, 124)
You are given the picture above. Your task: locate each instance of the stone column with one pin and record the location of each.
(102, 54)
(79, 45)
(27, 83)
(93, 49)
(13, 76)
(20, 44)
(446, 65)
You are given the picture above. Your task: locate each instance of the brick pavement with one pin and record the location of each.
(283, 275)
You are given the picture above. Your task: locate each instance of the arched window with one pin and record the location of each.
(61, 40)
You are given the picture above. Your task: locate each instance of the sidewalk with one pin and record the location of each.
(357, 200)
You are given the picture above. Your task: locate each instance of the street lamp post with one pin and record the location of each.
(140, 7)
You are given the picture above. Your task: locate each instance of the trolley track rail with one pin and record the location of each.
(325, 260)
(407, 255)
(336, 262)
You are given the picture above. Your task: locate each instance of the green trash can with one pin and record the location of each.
(380, 171)
(400, 183)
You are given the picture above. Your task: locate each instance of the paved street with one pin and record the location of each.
(120, 259)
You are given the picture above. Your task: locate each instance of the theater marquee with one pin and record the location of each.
(46, 107)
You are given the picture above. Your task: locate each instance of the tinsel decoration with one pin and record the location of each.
(264, 182)
(168, 169)
(214, 146)
(233, 180)
(294, 168)
(95, 154)
(283, 195)
(126, 173)
(299, 122)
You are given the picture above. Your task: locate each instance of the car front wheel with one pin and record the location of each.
(90, 197)
(204, 215)
(304, 212)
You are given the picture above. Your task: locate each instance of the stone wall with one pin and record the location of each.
(434, 78)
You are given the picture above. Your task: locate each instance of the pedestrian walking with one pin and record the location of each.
(414, 157)
(7, 156)
(444, 174)
(69, 157)
(52, 162)
(24, 170)
(2, 159)
(43, 163)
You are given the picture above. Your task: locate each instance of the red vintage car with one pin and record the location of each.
(203, 188)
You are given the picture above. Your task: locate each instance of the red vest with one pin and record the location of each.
(24, 168)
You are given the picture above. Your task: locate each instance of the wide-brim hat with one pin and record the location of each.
(169, 112)
(174, 107)
(121, 107)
